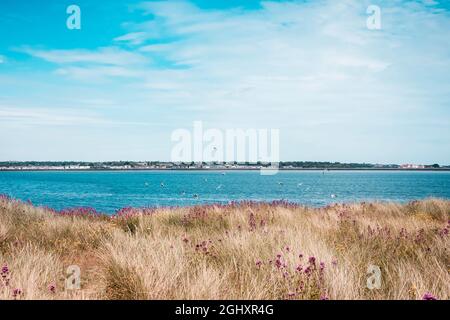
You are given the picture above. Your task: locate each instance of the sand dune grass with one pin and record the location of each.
(240, 251)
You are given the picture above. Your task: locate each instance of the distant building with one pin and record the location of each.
(412, 166)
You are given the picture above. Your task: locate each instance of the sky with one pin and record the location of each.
(136, 71)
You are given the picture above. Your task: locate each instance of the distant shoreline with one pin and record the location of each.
(227, 170)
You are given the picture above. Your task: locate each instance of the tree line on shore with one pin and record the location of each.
(138, 164)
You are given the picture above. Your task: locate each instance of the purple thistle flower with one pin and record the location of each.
(323, 297)
(5, 270)
(322, 266)
(312, 261)
(17, 292)
(278, 263)
(307, 270)
(52, 288)
(428, 296)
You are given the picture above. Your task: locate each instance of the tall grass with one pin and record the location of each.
(238, 251)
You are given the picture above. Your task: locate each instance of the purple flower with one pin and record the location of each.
(312, 261)
(322, 266)
(323, 297)
(278, 263)
(428, 296)
(5, 270)
(17, 292)
(307, 270)
(52, 288)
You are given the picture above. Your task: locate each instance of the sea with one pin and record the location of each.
(109, 191)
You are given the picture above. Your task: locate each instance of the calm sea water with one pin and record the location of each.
(109, 191)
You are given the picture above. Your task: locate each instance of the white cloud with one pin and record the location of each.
(94, 65)
(103, 56)
(45, 116)
(98, 73)
(133, 38)
(12, 116)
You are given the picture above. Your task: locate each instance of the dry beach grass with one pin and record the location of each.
(237, 251)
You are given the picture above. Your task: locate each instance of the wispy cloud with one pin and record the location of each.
(46, 116)
(93, 65)
(103, 56)
(41, 117)
(134, 38)
(93, 73)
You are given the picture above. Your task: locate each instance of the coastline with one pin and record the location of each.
(231, 170)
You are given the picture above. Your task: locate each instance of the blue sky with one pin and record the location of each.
(137, 71)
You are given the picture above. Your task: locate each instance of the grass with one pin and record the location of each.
(238, 251)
